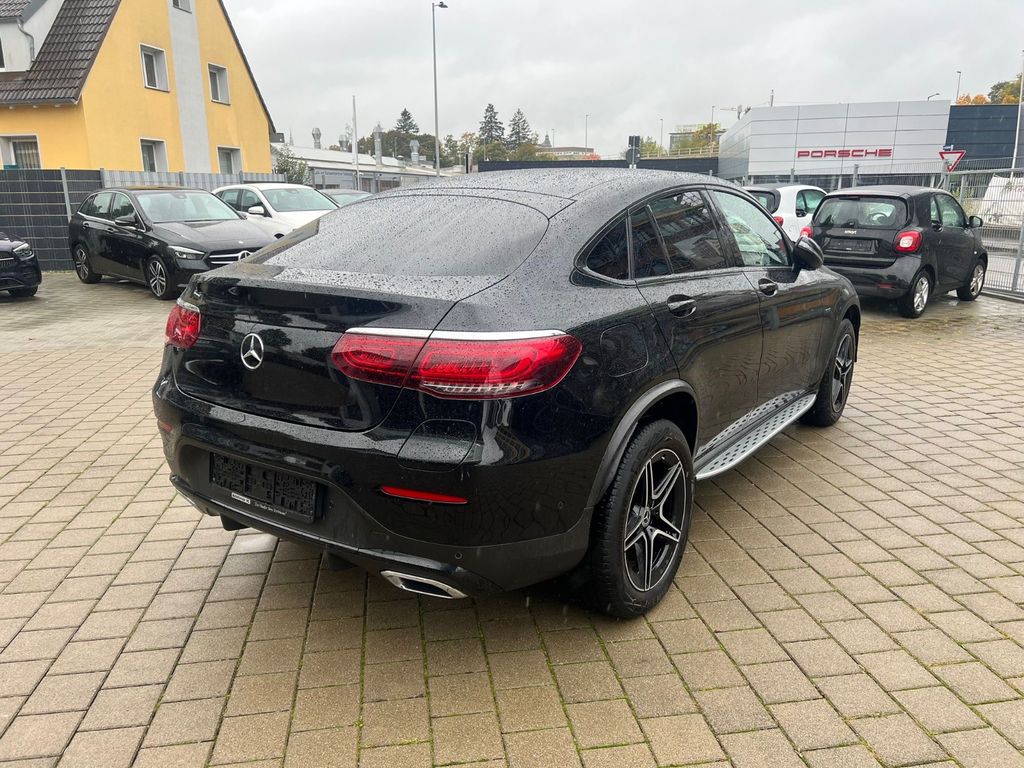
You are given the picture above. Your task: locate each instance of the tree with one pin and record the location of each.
(295, 169)
(1005, 92)
(519, 131)
(650, 148)
(491, 129)
(978, 98)
(450, 154)
(406, 124)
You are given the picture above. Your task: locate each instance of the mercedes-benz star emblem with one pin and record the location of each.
(244, 255)
(252, 351)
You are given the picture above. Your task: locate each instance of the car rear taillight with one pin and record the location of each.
(908, 242)
(429, 496)
(460, 366)
(183, 326)
(779, 220)
(806, 232)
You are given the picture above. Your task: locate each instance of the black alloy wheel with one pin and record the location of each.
(640, 531)
(83, 265)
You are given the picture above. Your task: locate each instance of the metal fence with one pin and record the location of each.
(997, 196)
(207, 181)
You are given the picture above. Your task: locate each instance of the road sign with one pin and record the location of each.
(952, 158)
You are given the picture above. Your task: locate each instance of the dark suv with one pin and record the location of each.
(159, 236)
(903, 243)
(479, 384)
(19, 269)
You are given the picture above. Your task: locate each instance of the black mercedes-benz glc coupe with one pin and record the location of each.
(159, 236)
(479, 384)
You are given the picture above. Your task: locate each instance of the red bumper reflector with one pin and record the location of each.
(411, 495)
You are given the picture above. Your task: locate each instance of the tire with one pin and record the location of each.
(971, 290)
(914, 302)
(158, 279)
(834, 388)
(24, 293)
(83, 265)
(629, 579)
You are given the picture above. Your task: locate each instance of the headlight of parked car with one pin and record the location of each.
(186, 253)
(24, 252)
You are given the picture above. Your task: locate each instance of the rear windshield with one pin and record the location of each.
(767, 199)
(292, 199)
(861, 213)
(415, 235)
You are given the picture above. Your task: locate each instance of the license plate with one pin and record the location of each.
(842, 245)
(265, 490)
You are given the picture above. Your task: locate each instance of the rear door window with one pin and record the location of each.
(767, 199)
(417, 234)
(861, 213)
(808, 200)
(610, 257)
(648, 255)
(689, 233)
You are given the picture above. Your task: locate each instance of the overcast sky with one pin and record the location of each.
(627, 64)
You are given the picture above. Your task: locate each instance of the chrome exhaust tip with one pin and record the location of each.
(422, 586)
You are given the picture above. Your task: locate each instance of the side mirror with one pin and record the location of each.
(808, 254)
(127, 221)
(975, 222)
(257, 210)
(800, 213)
(936, 225)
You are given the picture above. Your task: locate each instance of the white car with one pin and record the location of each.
(279, 207)
(792, 206)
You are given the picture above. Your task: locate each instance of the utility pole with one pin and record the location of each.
(959, 74)
(355, 143)
(1016, 138)
(586, 131)
(661, 137)
(437, 131)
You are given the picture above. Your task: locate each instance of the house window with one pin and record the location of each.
(219, 84)
(230, 159)
(2, 65)
(154, 68)
(182, 5)
(20, 152)
(154, 155)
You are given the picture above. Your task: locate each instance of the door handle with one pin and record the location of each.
(768, 287)
(86, 225)
(681, 306)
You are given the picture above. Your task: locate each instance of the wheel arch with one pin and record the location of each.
(674, 401)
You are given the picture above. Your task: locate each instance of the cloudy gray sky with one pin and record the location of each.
(627, 64)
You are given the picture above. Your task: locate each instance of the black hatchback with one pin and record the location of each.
(158, 236)
(479, 384)
(902, 243)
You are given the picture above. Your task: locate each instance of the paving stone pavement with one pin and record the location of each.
(850, 596)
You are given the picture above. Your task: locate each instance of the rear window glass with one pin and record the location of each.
(431, 235)
(861, 213)
(766, 199)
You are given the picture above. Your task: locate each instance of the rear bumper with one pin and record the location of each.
(526, 521)
(890, 282)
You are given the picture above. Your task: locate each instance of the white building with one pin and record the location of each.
(336, 169)
(839, 141)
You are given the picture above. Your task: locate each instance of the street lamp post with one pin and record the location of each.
(959, 74)
(932, 96)
(1016, 135)
(437, 131)
(661, 136)
(586, 131)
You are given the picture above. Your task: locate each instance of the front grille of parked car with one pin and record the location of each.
(6, 261)
(220, 259)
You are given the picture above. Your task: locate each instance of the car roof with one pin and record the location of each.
(575, 184)
(778, 187)
(148, 188)
(887, 190)
(266, 185)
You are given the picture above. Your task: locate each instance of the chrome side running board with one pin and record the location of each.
(422, 586)
(729, 456)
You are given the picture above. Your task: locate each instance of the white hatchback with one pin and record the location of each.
(279, 207)
(792, 206)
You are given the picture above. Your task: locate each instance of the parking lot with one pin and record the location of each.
(850, 597)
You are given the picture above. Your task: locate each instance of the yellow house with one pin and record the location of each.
(144, 85)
